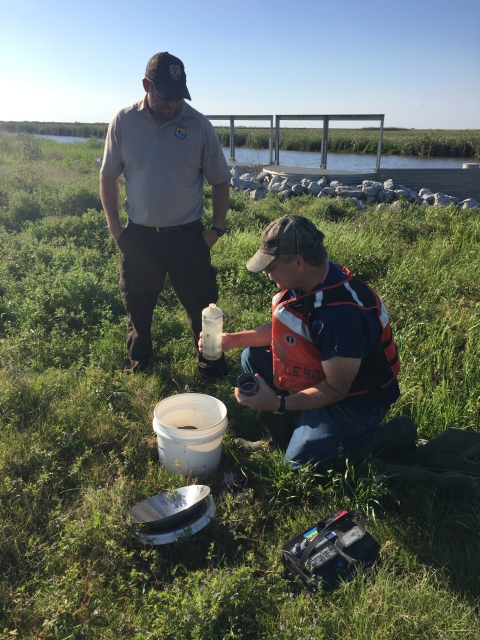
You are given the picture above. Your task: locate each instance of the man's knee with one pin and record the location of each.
(256, 359)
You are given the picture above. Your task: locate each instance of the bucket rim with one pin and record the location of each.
(221, 405)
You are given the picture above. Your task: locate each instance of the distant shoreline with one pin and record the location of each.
(454, 143)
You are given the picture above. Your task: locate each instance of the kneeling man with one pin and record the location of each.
(328, 352)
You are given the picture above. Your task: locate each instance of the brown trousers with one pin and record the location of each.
(146, 256)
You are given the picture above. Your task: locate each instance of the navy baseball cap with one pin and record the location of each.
(167, 74)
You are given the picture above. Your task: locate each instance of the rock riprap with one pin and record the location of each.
(368, 193)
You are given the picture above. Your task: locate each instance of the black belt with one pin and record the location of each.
(176, 227)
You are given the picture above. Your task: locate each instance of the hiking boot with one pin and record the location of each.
(394, 438)
(134, 366)
(249, 445)
(212, 370)
(280, 428)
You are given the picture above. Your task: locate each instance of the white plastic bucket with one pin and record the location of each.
(197, 451)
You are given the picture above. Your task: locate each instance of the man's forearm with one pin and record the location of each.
(258, 337)
(313, 398)
(110, 197)
(220, 203)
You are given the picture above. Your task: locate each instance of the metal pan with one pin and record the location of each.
(169, 509)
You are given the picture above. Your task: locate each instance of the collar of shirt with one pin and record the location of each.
(184, 112)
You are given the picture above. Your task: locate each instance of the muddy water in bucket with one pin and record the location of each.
(190, 428)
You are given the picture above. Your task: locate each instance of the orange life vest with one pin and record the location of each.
(296, 361)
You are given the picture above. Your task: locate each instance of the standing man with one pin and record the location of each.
(328, 352)
(165, 149)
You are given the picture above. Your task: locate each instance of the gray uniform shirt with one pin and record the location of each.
(164, 164)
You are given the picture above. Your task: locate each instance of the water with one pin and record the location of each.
(61, 138)
(346, 161)
(342, 161)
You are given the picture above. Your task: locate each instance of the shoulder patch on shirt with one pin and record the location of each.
(180, 132)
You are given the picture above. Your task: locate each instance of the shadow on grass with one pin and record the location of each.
(440, 530)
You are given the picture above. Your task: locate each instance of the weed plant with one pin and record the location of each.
(76, 447)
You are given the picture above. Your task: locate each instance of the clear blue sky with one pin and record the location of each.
(417, 61)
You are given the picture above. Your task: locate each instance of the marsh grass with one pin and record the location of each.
(76, 449)
(408, 142)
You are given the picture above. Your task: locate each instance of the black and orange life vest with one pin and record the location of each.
(296, 361)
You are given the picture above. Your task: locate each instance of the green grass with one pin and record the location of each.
(76, 448)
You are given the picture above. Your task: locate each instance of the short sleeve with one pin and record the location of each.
(215, 167)
(112, 164)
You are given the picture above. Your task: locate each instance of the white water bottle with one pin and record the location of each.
(212, 329)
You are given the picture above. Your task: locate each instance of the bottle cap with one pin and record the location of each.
(212, 306)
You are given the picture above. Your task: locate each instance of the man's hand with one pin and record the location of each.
(265, 400)
(227, 342)
(210, 237)
(110, 196)
(116, 231)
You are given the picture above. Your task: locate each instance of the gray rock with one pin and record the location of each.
(359, 204)
(371, 188)
(469, 203)
(335, 183)
(349, 192)
(441, 200)
(274, 181)
(328, 191)
(401, 193)
(323, 182)
(425, 192)
(314, 188)
(297, 189)
(285, 193)
(386, 195)
(383, 206)
(258, 194)
(388, 184)
(292, 181)
(248, 185)
(411, 194)
(262, 176)
(429, 198)
(322, 194)
(276, 187)
(371, 200)
(398, 205)
(238, 170)
(246, 176)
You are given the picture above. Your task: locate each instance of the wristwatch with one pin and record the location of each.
(281, 409)
(218, 231)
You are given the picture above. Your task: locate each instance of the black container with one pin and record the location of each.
(248, 384)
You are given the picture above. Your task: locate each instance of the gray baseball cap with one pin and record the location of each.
(287, 235)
